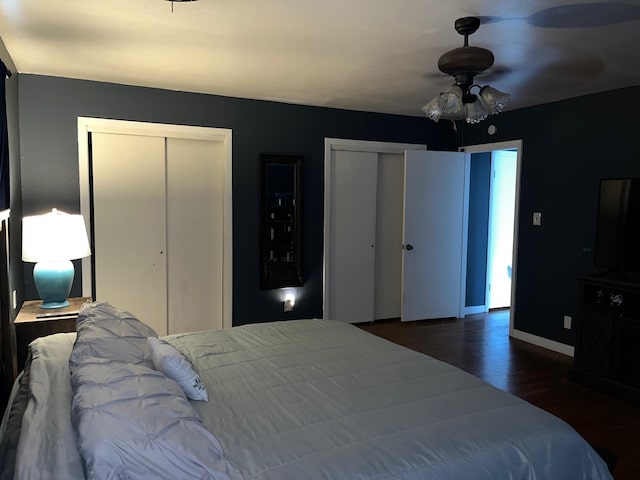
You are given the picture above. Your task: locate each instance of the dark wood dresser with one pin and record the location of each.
(607, 348)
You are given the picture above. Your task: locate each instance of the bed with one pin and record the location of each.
(302, 399)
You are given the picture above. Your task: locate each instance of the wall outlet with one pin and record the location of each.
(567, 322)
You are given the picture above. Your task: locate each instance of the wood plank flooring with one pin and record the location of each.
(480, 344)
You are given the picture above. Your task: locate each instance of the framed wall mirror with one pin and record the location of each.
(280, 221)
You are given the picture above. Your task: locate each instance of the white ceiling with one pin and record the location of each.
(371, 55)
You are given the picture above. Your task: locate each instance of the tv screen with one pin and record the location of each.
(617, 245)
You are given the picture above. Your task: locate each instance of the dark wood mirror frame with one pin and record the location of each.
(280, 221)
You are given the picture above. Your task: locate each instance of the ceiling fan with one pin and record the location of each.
(463, 64)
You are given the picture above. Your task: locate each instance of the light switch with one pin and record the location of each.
(537, 218)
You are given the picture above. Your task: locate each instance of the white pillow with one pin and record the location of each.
(168, 360)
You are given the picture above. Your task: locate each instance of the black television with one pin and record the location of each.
(617, 245)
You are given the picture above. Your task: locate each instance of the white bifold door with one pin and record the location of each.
(157, 218)
(395, 226)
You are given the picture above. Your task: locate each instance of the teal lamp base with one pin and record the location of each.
(53, 281)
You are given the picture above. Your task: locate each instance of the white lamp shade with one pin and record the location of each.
(54, 236)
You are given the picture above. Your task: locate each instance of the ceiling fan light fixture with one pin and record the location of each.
(463, 64)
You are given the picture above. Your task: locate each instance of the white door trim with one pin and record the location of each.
(508, 145)
(86, 125)
(331, 145)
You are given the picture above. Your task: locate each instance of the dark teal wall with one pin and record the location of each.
(567, 147)
(478, 233)
(49, 108)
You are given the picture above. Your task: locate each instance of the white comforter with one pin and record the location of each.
(318, 399)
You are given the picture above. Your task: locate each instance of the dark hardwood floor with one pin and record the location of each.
(480, 344)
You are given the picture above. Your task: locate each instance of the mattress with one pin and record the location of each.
(319, 399)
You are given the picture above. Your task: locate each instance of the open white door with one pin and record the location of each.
(434, 198)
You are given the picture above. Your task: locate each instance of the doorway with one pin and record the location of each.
(502, 194)
(493, 265)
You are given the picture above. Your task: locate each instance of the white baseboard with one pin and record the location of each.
(543, 342)
(475, 309)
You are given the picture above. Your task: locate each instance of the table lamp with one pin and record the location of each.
(53, 240)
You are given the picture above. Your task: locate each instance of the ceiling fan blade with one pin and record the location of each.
(585, 15)
(436, 75)
(484, 20)
(494, 73)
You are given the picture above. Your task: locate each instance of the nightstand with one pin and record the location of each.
(33, 321)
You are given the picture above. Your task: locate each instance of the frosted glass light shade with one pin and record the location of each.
(433, 110)
(475, 111)
(447, 105)
(54, 236)
(494, 99)
(451, 101)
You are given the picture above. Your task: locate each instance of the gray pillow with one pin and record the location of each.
(135, 423)
(108, 333)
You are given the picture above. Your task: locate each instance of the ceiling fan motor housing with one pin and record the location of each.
(466, 60)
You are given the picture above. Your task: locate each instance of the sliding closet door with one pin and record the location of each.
(129, 221)
(352, 226)
(195, 200)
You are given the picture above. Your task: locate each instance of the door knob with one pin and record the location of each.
(409, 247)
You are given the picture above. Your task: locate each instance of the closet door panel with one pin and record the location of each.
(195, 208)
(352, 236)
(129, 222)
